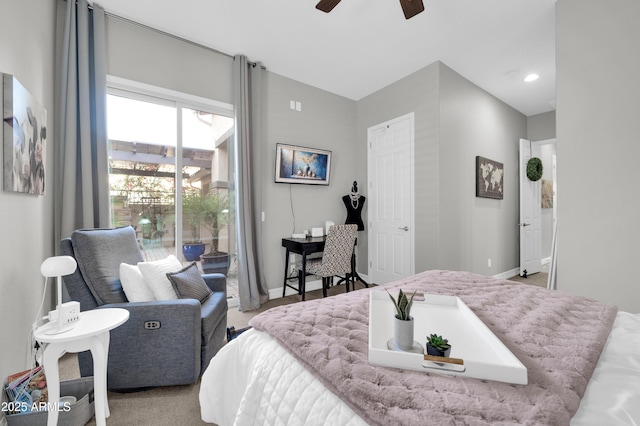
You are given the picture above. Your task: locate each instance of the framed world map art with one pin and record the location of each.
(489, 178)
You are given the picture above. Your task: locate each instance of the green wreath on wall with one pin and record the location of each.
(534, 169)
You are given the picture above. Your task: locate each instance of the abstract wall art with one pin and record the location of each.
(25, 139)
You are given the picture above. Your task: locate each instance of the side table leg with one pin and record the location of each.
(52, 353)
(100, 354)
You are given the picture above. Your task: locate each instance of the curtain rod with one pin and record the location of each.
(167, 34)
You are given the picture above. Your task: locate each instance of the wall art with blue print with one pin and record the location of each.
(296, 164)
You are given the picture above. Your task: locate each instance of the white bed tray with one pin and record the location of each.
(475, 351)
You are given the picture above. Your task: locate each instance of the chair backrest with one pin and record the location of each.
(338, 249)
(99, 253)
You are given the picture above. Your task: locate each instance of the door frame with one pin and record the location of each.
(372, 194)
(541, 143)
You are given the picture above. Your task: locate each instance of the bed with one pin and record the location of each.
(307, 363)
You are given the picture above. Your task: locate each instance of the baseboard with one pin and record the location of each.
(276, 293)
(233, 302)
(516, 271)
(508, 274)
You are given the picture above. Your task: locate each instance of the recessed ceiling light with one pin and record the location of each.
(531, 77)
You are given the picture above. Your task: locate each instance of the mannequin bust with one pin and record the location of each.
(354, 202)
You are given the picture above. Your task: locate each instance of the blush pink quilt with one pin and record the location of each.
(557, 336)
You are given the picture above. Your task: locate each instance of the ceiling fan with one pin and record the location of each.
(410, 7)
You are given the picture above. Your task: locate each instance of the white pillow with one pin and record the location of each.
(134, 285)
(155, 274)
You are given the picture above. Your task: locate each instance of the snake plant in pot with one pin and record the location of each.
(403, 322)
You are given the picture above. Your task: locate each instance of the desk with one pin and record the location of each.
(91, 332)
(303, 247)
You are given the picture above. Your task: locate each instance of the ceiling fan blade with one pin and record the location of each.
(327, 5)
(411, 7)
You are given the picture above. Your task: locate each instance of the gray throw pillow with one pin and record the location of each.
(189, 284)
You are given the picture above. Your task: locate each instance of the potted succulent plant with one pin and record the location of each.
(438, 346)
(403, 321)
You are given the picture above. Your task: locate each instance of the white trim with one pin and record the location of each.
(371, 193)
(508, 274)
(276, 293)
(135, 87)
(364, 277)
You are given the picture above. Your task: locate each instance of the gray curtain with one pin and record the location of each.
(247, 91)
(82, 176)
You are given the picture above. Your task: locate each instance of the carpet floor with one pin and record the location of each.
(179, 404)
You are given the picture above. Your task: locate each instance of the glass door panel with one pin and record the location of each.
(149, 139)
(142, 147)
(207, 202)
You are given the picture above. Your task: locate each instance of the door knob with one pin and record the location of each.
(404, 228)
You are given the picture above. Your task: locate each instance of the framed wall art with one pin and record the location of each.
(297, 164)
(489, 178)
(547, 193)
(25, 139)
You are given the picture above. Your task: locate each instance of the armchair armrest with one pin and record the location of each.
(216, 282)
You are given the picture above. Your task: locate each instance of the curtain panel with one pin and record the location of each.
(82, 179)
(247, 94)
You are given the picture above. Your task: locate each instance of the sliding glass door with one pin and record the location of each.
(169, 179)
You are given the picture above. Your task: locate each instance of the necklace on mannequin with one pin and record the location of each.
(355, 199)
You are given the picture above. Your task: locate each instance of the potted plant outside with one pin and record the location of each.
(193, 213)
(403, 324)
(215, 216)
(438, 346)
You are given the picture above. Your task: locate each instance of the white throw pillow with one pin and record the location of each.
(155, 274)
(134, 285)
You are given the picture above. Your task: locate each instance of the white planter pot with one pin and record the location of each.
(403, 333)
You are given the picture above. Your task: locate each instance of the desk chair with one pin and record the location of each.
(336, 257)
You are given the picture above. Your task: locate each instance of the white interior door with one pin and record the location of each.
(530, 213)
(391, 234)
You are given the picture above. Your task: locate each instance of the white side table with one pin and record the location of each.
(91, 332)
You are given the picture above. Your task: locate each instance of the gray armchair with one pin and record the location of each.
(140, 355)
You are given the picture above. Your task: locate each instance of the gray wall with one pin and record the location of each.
(417, 93)
(474, 229)
(454, 229)
(455, 121)
(541, 126)
(326, 121)
(598, 100)
(27, 31)
(137, 53)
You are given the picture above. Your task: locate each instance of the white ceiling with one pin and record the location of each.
(365, 45)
